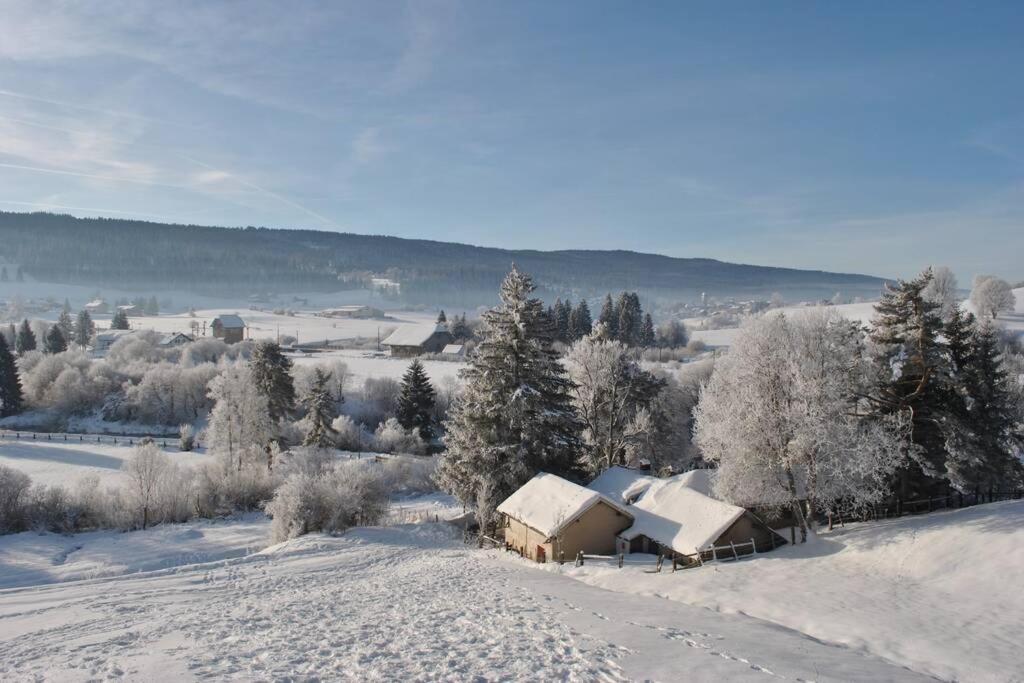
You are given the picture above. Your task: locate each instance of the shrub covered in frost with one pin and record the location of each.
(392, 437)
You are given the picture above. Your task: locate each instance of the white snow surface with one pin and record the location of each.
(673, 514)
(547, 503)
(404, 603)
(939, 594)
(57, 462)
(412, 335)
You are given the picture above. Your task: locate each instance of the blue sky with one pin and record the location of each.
(864, 137)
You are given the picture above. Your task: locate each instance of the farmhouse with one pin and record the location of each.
(414, 340)
(174, 339)
(230, 328)
(97, 306)
(551, 518)
(454, 351)
(105, 339)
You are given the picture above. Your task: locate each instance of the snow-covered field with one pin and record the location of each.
(401, 603)
(362, 365)
(862, 312)
(939, 594)
(57, 462)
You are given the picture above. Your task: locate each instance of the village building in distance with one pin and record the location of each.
(415, 340)
(230, 328)
(355, 311)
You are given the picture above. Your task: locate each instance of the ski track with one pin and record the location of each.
(391, 604)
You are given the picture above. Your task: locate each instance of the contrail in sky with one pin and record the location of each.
(94, 176)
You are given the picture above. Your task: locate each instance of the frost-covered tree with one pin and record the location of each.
(10, 384)
(609, 389)
(442, 319)
(26, 338)
(460, 328)
(514, 417)
(54, 341)
(782, 418)
(580, 322)
(992, 296)
(119, 321)
(146, 468)
(942, 290)
(240, 428)
(416, 402)
(84, 329)
(673, 335)
(271, 375)
(320, 411)
(152, 306)
(630, 319)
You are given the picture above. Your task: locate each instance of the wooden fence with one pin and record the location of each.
(164, 441)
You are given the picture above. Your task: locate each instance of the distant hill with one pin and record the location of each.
(127, 254)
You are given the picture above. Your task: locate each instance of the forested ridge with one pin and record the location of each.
(127, 253)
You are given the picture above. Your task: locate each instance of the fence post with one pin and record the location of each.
(733, 546)
(620, 560)
(753, 546)
(714, 554)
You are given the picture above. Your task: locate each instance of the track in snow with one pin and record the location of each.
(405, 603)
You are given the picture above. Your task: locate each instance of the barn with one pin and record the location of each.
(414, 340)
(230, 328)
(550, 518)
(680, 516)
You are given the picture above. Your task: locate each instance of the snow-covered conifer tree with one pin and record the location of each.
(580, 322)
(515, 416)
(119, 321)
(84, 329)
(26, 338)
(609, 318)
(10, 384)
(320, 411)
(416, 402)
(271, 374)
(54, 341)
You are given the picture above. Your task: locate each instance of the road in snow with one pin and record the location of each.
(404, 603)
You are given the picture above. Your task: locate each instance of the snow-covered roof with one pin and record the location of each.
(621, 484)
(95, 303)
(413, 335)
(547, 503)
(230, 321)
(174, 338)
(453, 349)
(674, 514)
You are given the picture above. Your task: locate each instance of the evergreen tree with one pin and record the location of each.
(442, 319)
(460, 329)
(10, 385)
(84, 328)
(647, 332)
(630, 325)
(271, 374)
(66, 308)
(66, 325)
(152, 306)
(55, 341)
(26, 338)
(416, 402)
(321, 411)
(119, 321)
(515, 416)
(580, 323)
(982, 452)
(563, 309)
(3, 274)
(912, 377)
(609, 318)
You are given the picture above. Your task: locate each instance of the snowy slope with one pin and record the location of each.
(64, 463)
(940, 594)
(404, 603)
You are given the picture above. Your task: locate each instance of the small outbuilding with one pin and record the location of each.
(174, 339)
(414, 340)
(355, 311)
(230, 328)
(97, 306)
(454, 351)
(102, 342)
(550, 518)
